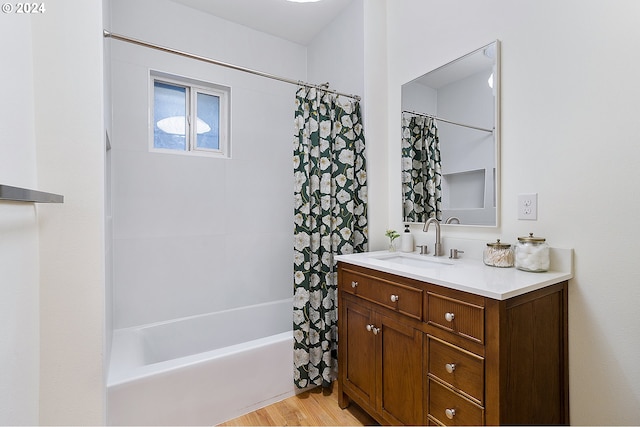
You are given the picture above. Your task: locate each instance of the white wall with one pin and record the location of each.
(19, 288)
(570, 133)
(196, 234)
(376, 125)
(336, 55)
(51, 256)
(69, 129)
(108, 297)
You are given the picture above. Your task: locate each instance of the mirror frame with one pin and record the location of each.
(496, 131)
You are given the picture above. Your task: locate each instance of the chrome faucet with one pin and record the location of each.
(438, 248)
(452, 220)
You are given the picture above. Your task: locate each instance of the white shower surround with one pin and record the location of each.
(232, 244)
(195, 235)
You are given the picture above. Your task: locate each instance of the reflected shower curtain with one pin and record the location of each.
(421, 169)
(330, 218)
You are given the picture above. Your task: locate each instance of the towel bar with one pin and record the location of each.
(18, 194)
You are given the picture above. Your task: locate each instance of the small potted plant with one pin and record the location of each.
(392, 235)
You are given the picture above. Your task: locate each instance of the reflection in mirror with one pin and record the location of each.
(450, 142)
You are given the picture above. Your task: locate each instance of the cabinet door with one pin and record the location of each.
(359, 365)
(399, 372)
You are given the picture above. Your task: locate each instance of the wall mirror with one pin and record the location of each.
(450, 141)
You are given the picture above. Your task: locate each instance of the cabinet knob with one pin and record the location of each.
(369, 328)
(354, 284)
(375, 331)
(394, 298)
(450, 413)
(450, 367)
(449, 317)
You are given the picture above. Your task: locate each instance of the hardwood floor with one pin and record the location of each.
(316, 407)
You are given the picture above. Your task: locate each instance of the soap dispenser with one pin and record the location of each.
(406, 244)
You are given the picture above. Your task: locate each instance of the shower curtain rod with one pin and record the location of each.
(447, 121)
(325, 86)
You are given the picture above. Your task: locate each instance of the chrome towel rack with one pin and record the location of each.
(18, 194)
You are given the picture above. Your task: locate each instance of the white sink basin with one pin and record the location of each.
(424, 261)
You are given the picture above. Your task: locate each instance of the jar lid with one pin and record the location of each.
(498, 245)
(531, 239)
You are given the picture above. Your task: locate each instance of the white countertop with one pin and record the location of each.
(468, 275)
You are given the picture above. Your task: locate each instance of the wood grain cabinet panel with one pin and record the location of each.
(455, 316)
(395, 296)
(461, 370)
(381, 363)
(535, 361)
(438, 356)
(450, 408)
(351, 282)
(400, 368)
(358, 373)
(404, 299)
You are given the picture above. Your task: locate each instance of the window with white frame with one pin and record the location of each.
(189, 116)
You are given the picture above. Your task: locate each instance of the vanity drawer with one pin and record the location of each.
(459, 317)
(404, 299)
(456, 367)
(350, 281)
(452, 409)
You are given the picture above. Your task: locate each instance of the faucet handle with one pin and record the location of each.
(424, 249)
(453, 253)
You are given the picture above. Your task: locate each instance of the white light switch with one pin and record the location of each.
(528, 206)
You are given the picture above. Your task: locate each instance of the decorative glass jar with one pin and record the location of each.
(532, 254)
(498, 254)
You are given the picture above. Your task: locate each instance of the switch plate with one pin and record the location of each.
(528, 206)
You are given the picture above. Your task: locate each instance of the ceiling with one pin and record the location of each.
(296, 22)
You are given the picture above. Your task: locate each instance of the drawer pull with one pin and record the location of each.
(449, 317)
(450, 367)
(394, 298)
(450, 413)
(354, 284)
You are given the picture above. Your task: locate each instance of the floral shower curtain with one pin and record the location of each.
(330, 219)
(421, 169)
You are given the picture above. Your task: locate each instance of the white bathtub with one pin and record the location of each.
(201, 370)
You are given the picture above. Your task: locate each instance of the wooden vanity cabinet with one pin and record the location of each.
(415, 353)
(382, 369)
